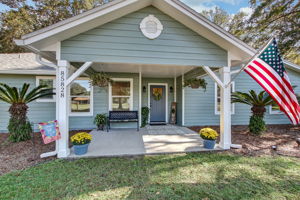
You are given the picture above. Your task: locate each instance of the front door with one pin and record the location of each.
(157, 103)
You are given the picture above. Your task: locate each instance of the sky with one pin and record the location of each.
(231, 6)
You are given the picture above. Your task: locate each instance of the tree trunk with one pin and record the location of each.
(18, 111)
(258, 110)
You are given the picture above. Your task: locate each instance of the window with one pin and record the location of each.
(218, 98)
(81, 98)
(49, 81)
(274, 110)
(120, 94)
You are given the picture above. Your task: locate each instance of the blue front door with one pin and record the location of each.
(157, 103)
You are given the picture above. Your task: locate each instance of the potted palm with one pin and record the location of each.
(258, 102)
(209, 136)
(195, 83)
(81, 142)
(100, 121)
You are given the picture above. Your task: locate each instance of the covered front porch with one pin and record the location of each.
(148, 141)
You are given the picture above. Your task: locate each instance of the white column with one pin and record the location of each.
(62, 99)
(225, 112)
(140, 98)
(183, 100)
(175, 89)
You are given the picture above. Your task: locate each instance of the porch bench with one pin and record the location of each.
(122, 116)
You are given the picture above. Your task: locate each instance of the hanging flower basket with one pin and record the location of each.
(100, 79)
(195, 83)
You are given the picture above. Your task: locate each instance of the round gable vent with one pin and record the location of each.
(151, 27)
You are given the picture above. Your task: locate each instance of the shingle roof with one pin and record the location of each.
(19, 62)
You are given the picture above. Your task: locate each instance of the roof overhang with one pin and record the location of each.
(48, 39)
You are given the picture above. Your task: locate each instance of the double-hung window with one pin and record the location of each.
(48, 81)
(218, 98)
(121, 94)
(274, 110)
(81, 98)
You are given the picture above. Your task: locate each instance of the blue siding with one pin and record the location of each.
(122, 41)
(200, 105)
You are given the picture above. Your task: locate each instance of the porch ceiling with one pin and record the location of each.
(147, 70)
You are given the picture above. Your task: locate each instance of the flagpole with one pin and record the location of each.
(254, 57)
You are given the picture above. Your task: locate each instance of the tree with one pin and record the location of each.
(258, 102)
(280, 18)
(19, 127)
(24, 17)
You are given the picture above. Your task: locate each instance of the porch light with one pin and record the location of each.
(144, 89)
(171, 89)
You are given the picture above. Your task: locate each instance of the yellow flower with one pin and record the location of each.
(208, 133)
(81, 138)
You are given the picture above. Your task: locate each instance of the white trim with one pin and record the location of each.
(216, 99)
(274, 112)
(213, 76)
(140, 98)
(110, 92)
(37, 83)
(183, 101)
(82, 114)
(31, 72)
(78, 72)
(175, 89)
(143, 27)
(167, 99)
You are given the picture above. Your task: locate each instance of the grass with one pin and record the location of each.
(191, 176)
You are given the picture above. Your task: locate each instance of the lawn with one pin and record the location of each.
(184, 176)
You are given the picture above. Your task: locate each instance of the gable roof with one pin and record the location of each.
(23, 63)
(47, 39)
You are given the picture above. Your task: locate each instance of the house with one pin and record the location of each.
(144, 45)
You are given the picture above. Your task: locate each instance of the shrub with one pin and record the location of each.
(19, 131)
(208, 134)
(257, 124)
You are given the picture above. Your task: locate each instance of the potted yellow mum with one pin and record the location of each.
(81, 142)
(209, 136)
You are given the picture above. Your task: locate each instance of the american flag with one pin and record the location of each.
(268, 71)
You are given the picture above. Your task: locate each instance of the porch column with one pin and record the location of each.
(140, 98)
(62, 97)
(225, 112)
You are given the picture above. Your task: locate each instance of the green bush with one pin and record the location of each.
(257, 125)
(19, 130)
(145, 116)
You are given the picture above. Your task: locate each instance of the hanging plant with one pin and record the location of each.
(100, 79)
(195, 83)
(157, 94)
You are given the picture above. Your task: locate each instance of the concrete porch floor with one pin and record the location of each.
(129, 142)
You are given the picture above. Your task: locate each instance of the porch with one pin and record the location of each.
(148, 141)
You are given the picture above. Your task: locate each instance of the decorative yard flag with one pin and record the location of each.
(50, 131)
(268, 71)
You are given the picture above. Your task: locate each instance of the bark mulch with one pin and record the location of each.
(16, 156)
(281, 136)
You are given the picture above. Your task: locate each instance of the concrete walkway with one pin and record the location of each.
(129, 142)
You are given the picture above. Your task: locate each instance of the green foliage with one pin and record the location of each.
(19, 127)
(257, 124)
(145, 116)
(100, 79)
(195, 83)
(19, 130)
(100, 119)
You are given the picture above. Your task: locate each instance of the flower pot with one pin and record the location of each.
(209, 144)
(81, 149)
(195, 85)
(101, 127)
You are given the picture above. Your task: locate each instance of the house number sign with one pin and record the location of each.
(62, 84)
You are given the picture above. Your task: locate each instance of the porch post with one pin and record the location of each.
(225, 112)
(140, 98)
(62, 96)
(183, 100)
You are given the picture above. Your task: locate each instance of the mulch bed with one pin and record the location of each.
(16, 156)
(281, 136)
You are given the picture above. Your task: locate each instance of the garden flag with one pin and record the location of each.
(268, 71)
(50, 131)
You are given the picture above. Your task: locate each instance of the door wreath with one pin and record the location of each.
(157, 94)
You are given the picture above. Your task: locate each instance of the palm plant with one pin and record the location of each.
(19, 127)
(258, 102)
